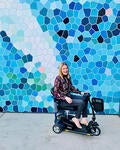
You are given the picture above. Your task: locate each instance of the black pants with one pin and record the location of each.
(80, 103)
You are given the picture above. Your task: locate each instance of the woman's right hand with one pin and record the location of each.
(68, 99)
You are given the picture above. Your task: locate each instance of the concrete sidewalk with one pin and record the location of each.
(28, 131)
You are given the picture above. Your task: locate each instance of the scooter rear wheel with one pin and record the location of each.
(57, 129)
(95, 131)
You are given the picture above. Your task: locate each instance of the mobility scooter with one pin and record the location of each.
(63, 118)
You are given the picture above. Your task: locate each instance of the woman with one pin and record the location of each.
(62, 90)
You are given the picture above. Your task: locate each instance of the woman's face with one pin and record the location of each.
(64, 70)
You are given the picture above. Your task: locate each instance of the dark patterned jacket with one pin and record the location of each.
(63, 87)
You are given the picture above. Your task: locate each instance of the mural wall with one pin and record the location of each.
(36, 35)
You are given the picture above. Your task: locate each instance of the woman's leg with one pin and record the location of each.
(84, 112)
(79, 103)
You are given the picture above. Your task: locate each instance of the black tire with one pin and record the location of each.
(57, 129)
(95, 131)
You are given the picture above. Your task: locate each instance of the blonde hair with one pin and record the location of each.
(60, 70)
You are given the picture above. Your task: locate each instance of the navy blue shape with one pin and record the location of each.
(87, 50)
(116, 32)
(84, 59)
(99, 20)
(3, 33)
(71, 32)
(66, 20)
(1, 109)
(2, 92)
(65, 34)
(17, 56)
(78, 6)
(115, 60)
(45, 110)
(47, 20)
(76, 58)
(6, 39)
(56, 11)
(85, 21)
(10, 45)
(21, 86)
(23, 80)
(72, 5)
(81, 28)
(118, 26)
(100, 39)
(99, 64)
(60, 32)
(94, 82)
(80, 38)
(101, 12)
(15, 86)
(15, 108)
(105, 18)
(8, 103)
(23, 70)
(34, 109)
(43, 11)
(95, 27)
(87, 12)
(29, 57)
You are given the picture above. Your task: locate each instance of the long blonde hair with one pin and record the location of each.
(60, 70)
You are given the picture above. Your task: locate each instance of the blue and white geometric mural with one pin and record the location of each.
(37, 35)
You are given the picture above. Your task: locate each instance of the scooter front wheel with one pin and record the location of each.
(95, 131)
(57, 129)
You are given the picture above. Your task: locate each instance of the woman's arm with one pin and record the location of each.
(56, 92)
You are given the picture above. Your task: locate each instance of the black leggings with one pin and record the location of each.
(80, 102)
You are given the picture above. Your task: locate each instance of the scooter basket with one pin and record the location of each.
(98, 104)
